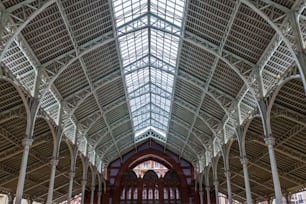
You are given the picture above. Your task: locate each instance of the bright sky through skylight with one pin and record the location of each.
(149, 54)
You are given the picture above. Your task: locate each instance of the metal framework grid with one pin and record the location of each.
(193, 73)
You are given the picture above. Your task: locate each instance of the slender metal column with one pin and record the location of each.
(201, 193)
(84, 182)
(228, 183)
(54, 163)
(71, 177)
(99, 196)
(92, 196)
(207, 188)
(216, 184)
(288, 198)
(93, 187)
(270, 141)
(30, 200)
(26, 143)
(10, 198)
(244, 162)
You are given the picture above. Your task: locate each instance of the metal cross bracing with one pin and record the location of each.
(77, 51)
(214, 65)
(154, 44)
(229, 54)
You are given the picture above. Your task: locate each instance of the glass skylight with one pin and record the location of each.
(148, 43)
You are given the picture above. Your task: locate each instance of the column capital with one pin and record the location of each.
(71, 174)
(27, 142)
(92, 188)
(270, 141)
(207, 188)
(83, 181)
(244, 160)
(216, 182)
(54, 162)
(227, 173)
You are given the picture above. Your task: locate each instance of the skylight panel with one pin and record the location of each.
(140, 127)
(134, 46)
(125, 10)
(170, 10)
(141, 62)
(164, 46)
(139, 102)
(140, 91)
(148, 41)
(137, 79)
(139, 119)
(141, 110)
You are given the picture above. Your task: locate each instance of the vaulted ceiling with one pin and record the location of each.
(185, 73)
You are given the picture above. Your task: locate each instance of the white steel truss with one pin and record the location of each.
(149, 57)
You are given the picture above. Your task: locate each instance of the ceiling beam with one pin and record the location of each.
(55, 189)
(64, 197)
(265, 167)
(84, 68)
(243, 190)
(212, 71)
(14, 151)
(257, 183)
(281, 111)
(17, 111)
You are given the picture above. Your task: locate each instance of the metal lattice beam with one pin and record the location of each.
(71, 35)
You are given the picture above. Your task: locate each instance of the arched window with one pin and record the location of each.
(156, 194)
(149, 183)
(129, 194)
(145, 166)
(144, 194)
(150, 194)
(165, 193)
(122, 197)
(135, 196)
(171, 194)
(177, 193)
(129, 184)
(171, 183)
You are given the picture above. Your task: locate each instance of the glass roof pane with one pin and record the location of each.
(139, 101)
(126, 10)
(140, 91)
(137, 79)
(147, 34)
(164, 46)
(141, 62)
(170, 10)
(141, 110)
(134, 46)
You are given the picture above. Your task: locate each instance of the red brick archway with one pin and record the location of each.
(150, 154)
(150, 150)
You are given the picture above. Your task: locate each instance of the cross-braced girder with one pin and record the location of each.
(222, 57)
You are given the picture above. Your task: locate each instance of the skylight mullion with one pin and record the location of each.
(155, 107)
(158, 125)
(150, 108)
(141, 110)
(159, 108)
(159, 117)
(145, 122)
(160, 91)
(142, 89)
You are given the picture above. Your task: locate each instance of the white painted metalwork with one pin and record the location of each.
(149, 59)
